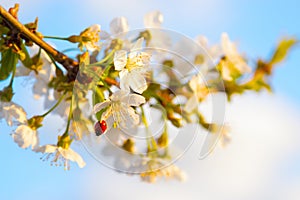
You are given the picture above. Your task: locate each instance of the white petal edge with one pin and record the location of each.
(119, 25)
(24, 136)
(134, 99)
(153, 19)
(124, 80)
(137, 46)
(13, 110)
(137, 82)
(191, 104)
(120, 59)
(100, 106)
(72, 156)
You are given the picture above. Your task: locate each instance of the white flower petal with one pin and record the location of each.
(240, 64)
(137, 82)
(153, 19)
(134, 99)
(137, 46)
(127, 117)
(196, 82)
(22, 71)
(227, 46)
(39, 88)
(119, 25)
(134, 117)
(108, 118)
(120, 59)
(104, 35)
(47, 148)
(71, 155)
(24, 136)
(191, 104)
(96, 28)
(124, 80)
(99, 106)
(118, 95)
(12, 111)
(226, 72)
(202, 41)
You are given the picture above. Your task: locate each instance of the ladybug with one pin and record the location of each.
(100, 127)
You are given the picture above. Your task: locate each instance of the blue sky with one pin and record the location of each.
(256, 25)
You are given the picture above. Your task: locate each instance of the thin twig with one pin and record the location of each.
(68, 63)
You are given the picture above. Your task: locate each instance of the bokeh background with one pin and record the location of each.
(263, 159)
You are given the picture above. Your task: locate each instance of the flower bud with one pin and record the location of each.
(35, 122)
(128, 145)
(6, 94)
(64, 141)
(74, 39)
(162, 141)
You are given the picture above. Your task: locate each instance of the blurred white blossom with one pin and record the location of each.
(153, 19)
(90, 38)
(166, 172)
(12, 112)
(199, 92)
(233, 60)
(42, 72)
(26, 136)
(119, 25)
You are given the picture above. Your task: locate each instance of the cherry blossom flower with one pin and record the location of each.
(25, 136)
(90, 37)
(169, 172)
(119, 25)
(12, 112)
(153, 19)
(132, 66)
(158, 38)
(233, 62)
(200, 91)
(61, 156)
(119, 112)
(42, 72)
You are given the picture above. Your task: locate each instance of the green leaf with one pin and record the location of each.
(9, 61)
(106, 72)
(27, 62)
(100, 113)
(282, 50)
(97, 98)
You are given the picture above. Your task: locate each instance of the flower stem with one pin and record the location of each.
(53, 61)
(106, 58)
(55, 37)
(151, 143)
(70, 49)
(57, 103)
(69, 118)
(12, 77)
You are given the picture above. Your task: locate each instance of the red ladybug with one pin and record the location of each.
(100, 127)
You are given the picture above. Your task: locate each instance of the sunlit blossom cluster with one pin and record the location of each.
(114, 82)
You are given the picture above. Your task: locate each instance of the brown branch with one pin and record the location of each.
(68, 63)
(61, 58)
